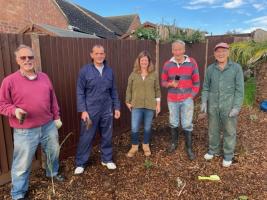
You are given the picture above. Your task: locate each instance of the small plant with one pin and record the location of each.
(50, 165)
(148, 164)
(69, 134)
(253, 117)
(179, 182)
(241, 149)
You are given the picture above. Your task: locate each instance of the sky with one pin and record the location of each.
(213, 16)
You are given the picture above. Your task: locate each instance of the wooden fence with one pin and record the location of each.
(61, 59)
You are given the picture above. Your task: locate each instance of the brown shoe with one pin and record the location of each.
(132, 151)
(146, 149)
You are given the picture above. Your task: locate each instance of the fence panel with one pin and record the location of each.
(61, 60)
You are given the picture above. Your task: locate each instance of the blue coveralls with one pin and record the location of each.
(98, 96)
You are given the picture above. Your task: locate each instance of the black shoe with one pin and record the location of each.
(174, 140)
(188, 145)
(26, 196)
(190, 154)
(59, 178)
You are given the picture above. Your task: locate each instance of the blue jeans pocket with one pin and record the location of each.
(21, 131)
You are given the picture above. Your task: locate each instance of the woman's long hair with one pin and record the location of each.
(137, 67)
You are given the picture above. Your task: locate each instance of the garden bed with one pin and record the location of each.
(156, 177)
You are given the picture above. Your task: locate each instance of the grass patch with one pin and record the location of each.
(250, 92)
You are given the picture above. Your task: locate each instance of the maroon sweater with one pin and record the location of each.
(36, 97)
(189, 83)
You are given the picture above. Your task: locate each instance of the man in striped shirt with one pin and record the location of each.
(180, 75)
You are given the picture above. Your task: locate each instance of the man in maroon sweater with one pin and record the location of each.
(28, 99)
(180, 75)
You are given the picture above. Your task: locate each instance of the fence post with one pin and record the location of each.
(157, 55)
(37, 53)
(206, 57)
(38, 67)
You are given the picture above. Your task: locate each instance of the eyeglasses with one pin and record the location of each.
(25, 57)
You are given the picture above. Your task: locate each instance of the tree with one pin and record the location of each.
(253, 56)
(146, 34)
(249, 53)
(169, 34)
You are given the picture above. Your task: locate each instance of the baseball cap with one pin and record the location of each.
(221, 45)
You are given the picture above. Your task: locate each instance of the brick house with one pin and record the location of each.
(126, 23)
(17, 15)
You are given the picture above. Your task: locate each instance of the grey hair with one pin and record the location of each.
(22, 46)
(97, 46)
(178, 42)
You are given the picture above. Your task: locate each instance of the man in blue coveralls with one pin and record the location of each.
(97, 97)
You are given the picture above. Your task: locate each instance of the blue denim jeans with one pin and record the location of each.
(185, 109)
(140, 115)
(26, 142)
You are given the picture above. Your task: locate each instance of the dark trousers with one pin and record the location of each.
(103, 122)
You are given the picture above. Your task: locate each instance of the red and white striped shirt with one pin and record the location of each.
(189, 83)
